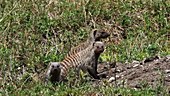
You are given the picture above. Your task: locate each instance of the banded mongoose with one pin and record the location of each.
(82, 58)
(95, 35)
(91, 67)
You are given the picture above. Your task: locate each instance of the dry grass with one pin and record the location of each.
(33, 33)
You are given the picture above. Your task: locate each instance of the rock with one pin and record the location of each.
(168, 56)
(136, 65)
(135, 62)
(167, 71)
(113, 78)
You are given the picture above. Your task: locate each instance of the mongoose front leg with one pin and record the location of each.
(88, 69)
(93, 73)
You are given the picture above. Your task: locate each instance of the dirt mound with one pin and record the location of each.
(149, 72)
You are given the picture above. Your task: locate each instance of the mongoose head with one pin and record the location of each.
(99, 34)
(54, 71)
(98, 47)
(55, 67)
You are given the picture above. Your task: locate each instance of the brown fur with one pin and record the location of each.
(91, 66)
(84, 58)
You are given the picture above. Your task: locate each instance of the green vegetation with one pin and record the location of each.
(35, 32)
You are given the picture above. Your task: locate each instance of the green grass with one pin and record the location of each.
(33, 33)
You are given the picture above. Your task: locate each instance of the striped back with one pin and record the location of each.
(81, 58)
(57, 71)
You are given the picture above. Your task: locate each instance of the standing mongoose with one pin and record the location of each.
(95, 35)
(91, 66)
(83, 58)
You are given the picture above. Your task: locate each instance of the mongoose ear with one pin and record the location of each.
(94, 32)
(93, 43)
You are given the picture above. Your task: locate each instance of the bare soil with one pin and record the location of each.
(153, 72)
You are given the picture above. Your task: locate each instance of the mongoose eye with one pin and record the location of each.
(97, 46)
(58, 66)
(52, 66)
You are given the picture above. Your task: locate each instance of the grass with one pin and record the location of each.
(33, 33)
